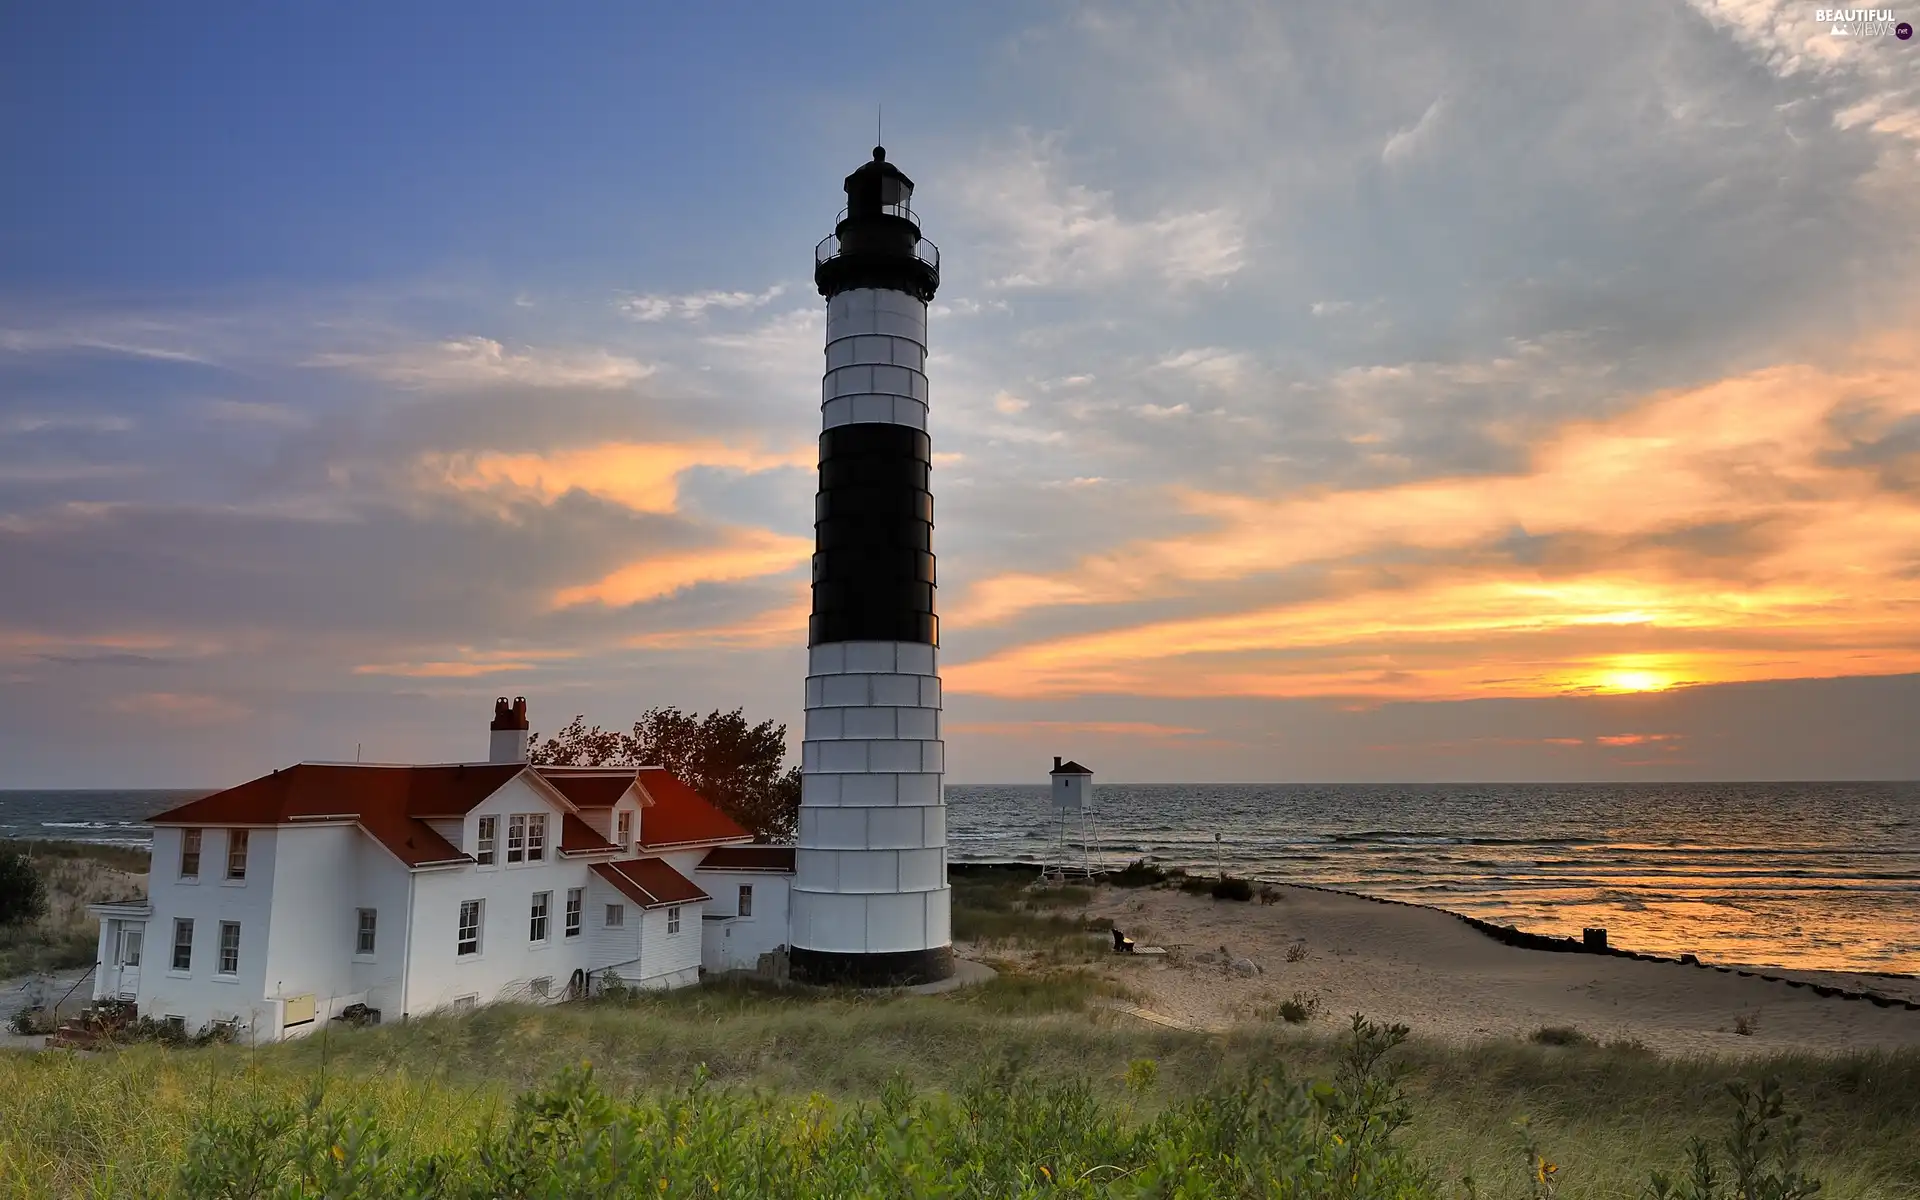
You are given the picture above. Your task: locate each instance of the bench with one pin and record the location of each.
(1122, 944)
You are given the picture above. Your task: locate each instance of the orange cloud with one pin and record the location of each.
(644, 476)
(469, 665)
(1145, 729)
(1638, 739)
(746, 554)
(785, 626)
(179, 708)
(1816, 578)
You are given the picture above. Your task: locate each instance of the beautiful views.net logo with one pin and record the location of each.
(1863, 22)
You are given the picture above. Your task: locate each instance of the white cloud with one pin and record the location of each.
(65, 341)
(1212, 365)
(693, 305)
(1053, 233)
(60, 422)
(1008, 403)
(480, 361)
(1415, 138)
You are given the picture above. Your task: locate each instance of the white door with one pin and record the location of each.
(126, 958)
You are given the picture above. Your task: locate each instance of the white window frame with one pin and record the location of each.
(673, 920)
(190, 842)
(540, 919)
(182, 925)
(536, 837)
(623, 826)
(483, 846)
(220, 967)
(576, 906)
(238, 841)
(461, 941)
(517, 838)
(616, 916)
(745, 907)
(366, 932)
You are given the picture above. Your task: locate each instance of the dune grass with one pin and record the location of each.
(853, 1068)
(1607, 1117)
(76, 874)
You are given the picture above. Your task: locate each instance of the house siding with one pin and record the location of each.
(669, 960)
(733, 942)
(198, 995)
(314, 895)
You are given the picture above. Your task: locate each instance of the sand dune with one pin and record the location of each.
(1429, 970)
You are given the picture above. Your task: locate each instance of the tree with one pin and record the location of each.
(733, 764)
(23, 894)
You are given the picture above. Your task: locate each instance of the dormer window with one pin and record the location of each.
(624, 824)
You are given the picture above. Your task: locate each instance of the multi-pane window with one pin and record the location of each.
(363, 941)
(130, 939)
(625, 823)
(616, 915)
(536, 837)
(746, 899)
(229, 947)
(542, 986)
(236, 854)
(517, 838)
(673, 919)
(183, 944)
(576, 899)
(469, 935)
(537, 924)
(483, 847)
(189, 854)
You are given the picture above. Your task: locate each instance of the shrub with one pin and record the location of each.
(1297, 952)
(1269, 895)
(1231, 888)
(1138, 873)
(1745, 1024)
(1299, 1008)
(1760, 1156)
(1005, 1133)
(23, 894)
(1193, 885)
(1560, 1035)
(30, 1021)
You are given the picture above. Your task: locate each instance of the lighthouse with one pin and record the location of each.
(870, 903)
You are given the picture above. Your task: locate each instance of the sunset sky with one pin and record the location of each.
(1331, 392)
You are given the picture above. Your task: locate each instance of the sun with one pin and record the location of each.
(1634, 681)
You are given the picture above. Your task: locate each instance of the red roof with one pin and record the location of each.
(578, 837)
(391, 803)
(650, 882)
(680, 816)
(590, 787)
(748, 858)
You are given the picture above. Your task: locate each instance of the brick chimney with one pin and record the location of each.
(508, 743)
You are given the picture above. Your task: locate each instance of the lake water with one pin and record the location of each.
(1810, 875)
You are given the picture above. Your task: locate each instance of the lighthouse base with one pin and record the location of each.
(902, 968)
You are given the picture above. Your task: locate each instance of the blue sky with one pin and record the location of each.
(1367, 392)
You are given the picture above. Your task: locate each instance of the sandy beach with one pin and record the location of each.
(1444, 979)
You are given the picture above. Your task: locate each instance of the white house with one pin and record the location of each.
(280, 903)
(1072, 786)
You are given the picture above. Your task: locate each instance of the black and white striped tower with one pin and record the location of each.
(870, 903)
